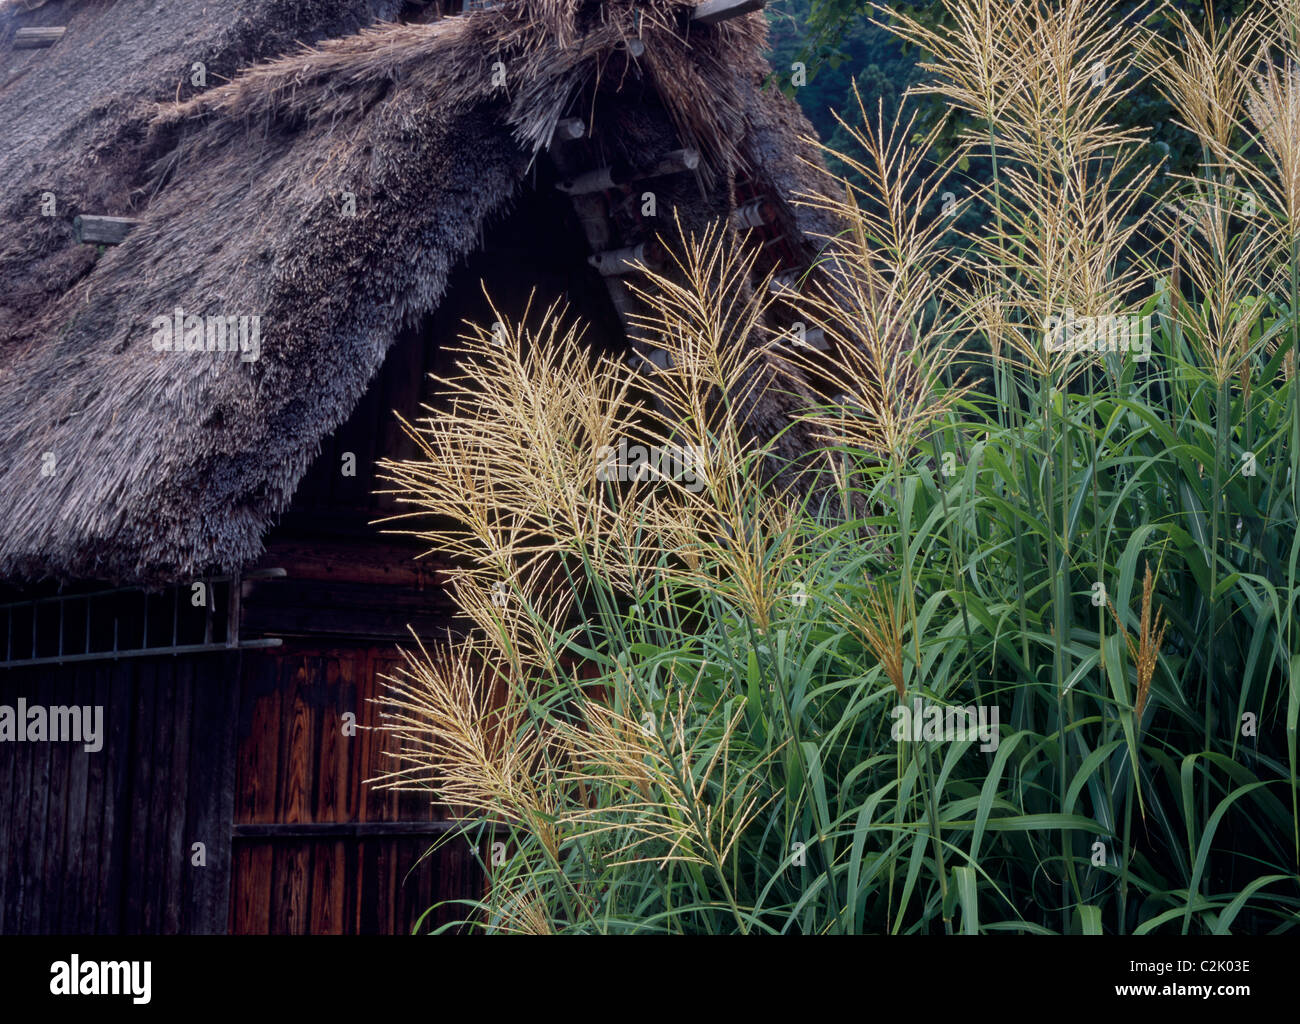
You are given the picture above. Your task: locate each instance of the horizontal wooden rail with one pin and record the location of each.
(354, 829)
(215, 647)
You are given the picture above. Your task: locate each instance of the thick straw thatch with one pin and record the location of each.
(166, 465)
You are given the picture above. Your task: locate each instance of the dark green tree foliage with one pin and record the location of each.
(839, 43)
(838, 47)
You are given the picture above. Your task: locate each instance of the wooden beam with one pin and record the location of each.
(292, 607)
(618, 262)
(34, 38)
(603, 178)
(786, 283)
(677, 162)
(656, 360)
(102, 230)
(570, 128)
(752, 215)
(355, 829)
(594, 219)
(340, 559)
(813, 337)
(713, 11)
(599, 180)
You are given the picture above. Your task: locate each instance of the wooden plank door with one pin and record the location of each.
(315, 850)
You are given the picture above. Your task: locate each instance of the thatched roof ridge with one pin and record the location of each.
(169, 464)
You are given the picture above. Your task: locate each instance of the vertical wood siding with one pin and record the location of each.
(100, 843)
(295, 765)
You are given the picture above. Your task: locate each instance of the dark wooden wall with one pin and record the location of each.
(100, 843)
(198, 749)
(297, 766)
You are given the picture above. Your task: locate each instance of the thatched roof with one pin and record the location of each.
(166, 466)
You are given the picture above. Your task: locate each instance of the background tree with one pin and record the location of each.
(841, 41)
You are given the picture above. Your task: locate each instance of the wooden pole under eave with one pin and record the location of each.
(713, 11)
(753, 215)
(620, 262)
(34, 38)
(569, 129)
(603, 178)
(102, 230)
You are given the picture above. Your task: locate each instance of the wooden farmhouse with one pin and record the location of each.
(236, 237)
